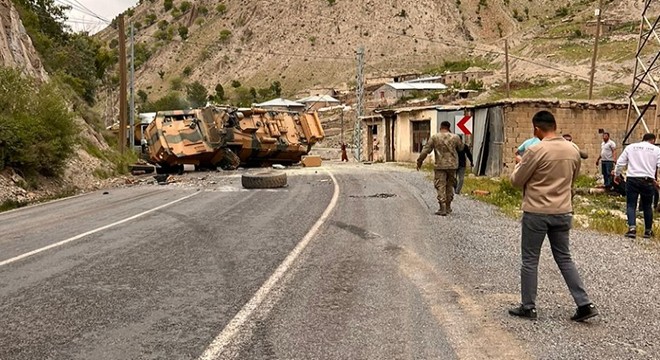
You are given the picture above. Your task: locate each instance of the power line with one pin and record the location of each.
(82, 10)
(473, 48)
(495, 52)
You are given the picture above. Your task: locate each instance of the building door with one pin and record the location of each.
(421, 132)
(488, 141)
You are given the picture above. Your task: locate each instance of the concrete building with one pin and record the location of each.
(390, 94)
(500, 127)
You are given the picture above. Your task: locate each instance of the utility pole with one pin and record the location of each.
(122, 85)
(131, 130)
(341, 121)
(595, 54)
(506, 60)
(360, 103)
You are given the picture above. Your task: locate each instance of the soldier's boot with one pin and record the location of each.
(442, 211)
(448, 208)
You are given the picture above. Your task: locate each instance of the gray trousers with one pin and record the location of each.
(534, 229)
(460, 176)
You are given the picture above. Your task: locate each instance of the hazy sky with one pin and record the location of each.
(81, 19)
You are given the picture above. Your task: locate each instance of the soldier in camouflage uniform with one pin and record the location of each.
(445, 146)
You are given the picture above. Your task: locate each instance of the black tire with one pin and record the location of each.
(265, 180)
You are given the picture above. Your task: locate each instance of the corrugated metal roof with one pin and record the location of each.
(417, 86)
(423, 79)
(280, 102)
(319, 99)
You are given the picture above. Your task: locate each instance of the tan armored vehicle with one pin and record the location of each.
(192, 137)
(227, 137)
(261, 137)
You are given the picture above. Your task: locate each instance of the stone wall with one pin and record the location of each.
(580, 119)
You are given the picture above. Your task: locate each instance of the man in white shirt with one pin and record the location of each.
(607, 159)
(642, 160)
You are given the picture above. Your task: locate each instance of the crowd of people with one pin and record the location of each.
(547, 166)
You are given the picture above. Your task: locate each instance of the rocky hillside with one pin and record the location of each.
(17, 51)
(304, 44)
(16, 48)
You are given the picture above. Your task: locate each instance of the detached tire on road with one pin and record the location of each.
(266, 180)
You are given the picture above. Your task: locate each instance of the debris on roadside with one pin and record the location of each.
(311, 161)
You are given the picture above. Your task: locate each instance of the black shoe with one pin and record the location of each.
(632, 232)
(522, 312)
(585, 312)
(648, 234)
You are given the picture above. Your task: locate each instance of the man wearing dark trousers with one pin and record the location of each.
(445, 147)
(607, 159)
(546, 173)
(642, 160)
(462, 164)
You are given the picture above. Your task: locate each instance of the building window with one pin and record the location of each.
(382, 95)
(421, 131)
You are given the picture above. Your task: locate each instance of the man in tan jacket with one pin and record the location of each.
(445, 147)
(546, 173)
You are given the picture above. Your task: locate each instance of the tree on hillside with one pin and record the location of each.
(183, 32)
(276, 88)
(185, 6)
(219, 92)
(171, 101)
(197, 94)
(78, 59)
(243, 97)
(142, 95)
(168, 4)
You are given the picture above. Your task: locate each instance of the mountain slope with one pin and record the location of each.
(306, 44)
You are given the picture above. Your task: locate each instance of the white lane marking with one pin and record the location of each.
(36, 205)
(223, 339)
(77, 237)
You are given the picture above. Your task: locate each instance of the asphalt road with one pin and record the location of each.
(352, 265)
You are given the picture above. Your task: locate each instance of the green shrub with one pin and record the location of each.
(168, 4)
(185, 6)
(176, 83)
(225, 35)
(183, 32)
(37, 131)
(221, 9)
(562, 11)
(171, 101)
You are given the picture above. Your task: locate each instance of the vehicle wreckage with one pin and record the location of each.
(225, 137)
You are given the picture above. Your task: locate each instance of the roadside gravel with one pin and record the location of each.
(479, 250)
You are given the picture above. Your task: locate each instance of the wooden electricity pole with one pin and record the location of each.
(599, 11)
(506, 60)
(123, 111)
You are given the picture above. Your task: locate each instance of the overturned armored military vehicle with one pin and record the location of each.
(227, 137)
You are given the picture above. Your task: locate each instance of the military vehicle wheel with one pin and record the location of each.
(265, 180)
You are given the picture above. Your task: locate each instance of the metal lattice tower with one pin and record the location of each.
(357, 135)
(646, 73)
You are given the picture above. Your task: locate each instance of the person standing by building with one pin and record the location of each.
(344, 157)
(460, 172)
(445, 147)
(607, 159)
(642, 160)
(583, 154)
(546, 173)
(376, 149)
